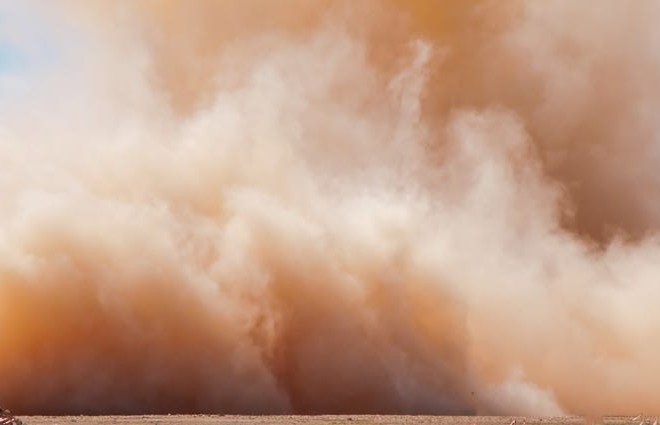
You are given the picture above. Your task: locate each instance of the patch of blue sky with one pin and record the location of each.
(29, 41)
(31, 48)
(10, 58)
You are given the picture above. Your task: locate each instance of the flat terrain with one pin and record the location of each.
(317, 420)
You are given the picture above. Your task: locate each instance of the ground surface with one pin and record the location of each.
(317, 420)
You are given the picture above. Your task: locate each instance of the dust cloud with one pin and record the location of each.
(254, 206)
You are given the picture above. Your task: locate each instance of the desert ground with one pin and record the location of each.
(313, 420)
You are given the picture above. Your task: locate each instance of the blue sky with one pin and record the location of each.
(9, 57)
(27, 37)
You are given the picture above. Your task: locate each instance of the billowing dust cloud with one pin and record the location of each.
(330, 207)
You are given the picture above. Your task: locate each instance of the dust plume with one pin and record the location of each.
(254, 206)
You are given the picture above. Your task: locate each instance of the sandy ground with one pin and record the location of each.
(313, 420)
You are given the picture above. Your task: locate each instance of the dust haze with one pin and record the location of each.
(254, 206)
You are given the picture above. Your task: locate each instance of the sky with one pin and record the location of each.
(7, 57)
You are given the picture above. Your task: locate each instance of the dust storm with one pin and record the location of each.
(438, 207)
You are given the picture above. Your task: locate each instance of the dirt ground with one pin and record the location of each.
(317, 420)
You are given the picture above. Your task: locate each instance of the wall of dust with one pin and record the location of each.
(329, 207)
